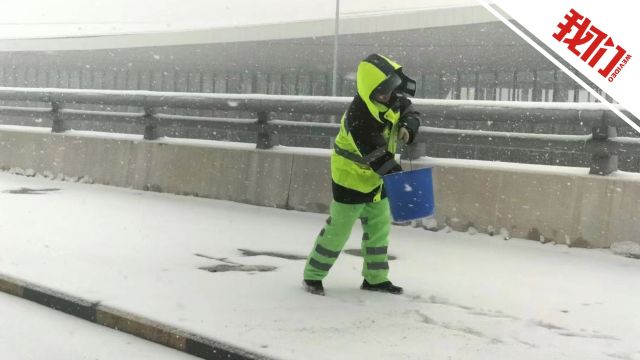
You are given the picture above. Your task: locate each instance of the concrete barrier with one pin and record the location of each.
(563, 205)
(542, 203)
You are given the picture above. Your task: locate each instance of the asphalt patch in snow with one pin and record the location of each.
(357, 252)
(588, 336)
(27, 191)
(494, 315)
(548, 326)
(244, 268)
(246, 252)
(233, 266)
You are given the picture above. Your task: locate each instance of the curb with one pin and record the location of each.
(132, 324)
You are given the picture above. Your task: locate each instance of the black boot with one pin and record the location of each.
(313, 286)
(385, 287)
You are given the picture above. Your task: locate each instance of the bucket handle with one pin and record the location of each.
(402, 147)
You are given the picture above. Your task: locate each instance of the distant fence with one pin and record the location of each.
(531, 85)
(149, 114)
(546, 85)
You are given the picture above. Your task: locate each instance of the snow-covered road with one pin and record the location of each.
(33, 332)
(468, 296)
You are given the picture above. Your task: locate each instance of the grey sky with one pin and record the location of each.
(53, 18)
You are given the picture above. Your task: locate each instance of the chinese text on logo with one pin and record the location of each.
(594, 45)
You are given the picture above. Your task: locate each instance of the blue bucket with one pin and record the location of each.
(410, 194)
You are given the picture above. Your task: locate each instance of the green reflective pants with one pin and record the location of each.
(376, 223)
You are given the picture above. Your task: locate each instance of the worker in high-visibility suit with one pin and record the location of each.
(364, 151)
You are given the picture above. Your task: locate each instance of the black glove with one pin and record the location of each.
(410, 122)
(385, 164)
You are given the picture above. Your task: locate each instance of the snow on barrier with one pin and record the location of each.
(565, 205)
(151, 114)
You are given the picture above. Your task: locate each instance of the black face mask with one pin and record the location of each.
(408, 85)
(397, 85)
(396, 99)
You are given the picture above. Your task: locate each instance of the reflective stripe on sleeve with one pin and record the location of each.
(388, 165)
(366, 160)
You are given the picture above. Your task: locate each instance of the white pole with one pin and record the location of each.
(334, 86)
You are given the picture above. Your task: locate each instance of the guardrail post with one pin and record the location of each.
(57, 124)
(150, 124)
(604, 157)
(265, 140)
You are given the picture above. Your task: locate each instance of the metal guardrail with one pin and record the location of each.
(602, 144)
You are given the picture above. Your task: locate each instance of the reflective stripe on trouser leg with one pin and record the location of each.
(331, 239)
(374, 251)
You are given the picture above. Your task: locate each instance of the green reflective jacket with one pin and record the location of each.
(350, 167)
